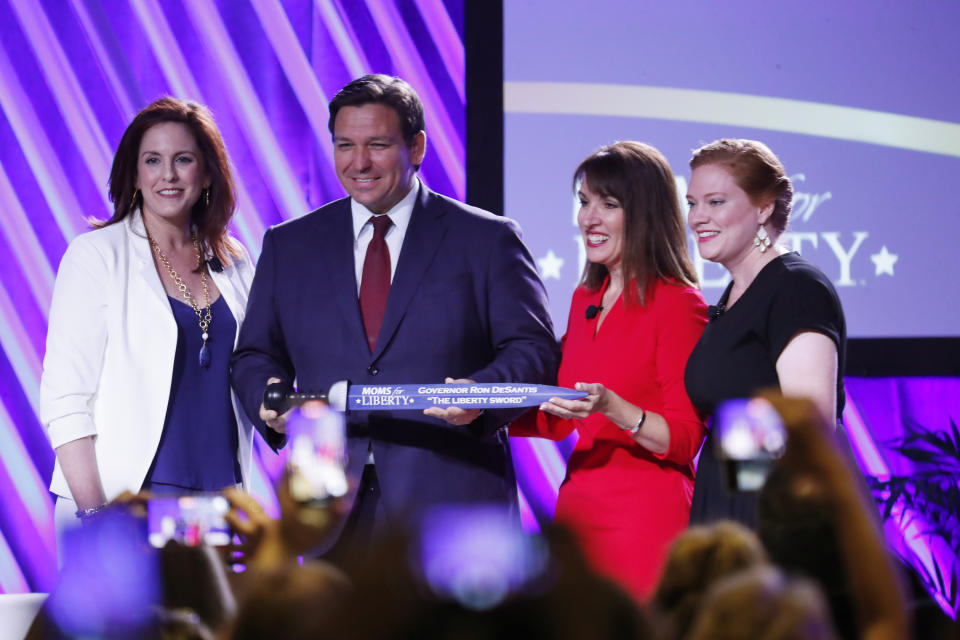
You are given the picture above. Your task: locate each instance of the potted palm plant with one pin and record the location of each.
(927, 500)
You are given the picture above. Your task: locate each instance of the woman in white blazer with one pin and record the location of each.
(127, 398)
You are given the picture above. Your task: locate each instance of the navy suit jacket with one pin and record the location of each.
(466, 302)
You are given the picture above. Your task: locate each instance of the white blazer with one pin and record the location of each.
(111, 342)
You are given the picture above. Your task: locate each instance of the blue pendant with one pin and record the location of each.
(204, 356)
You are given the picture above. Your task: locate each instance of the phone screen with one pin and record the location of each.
(316, 437)
(189, 520)
(749, 436)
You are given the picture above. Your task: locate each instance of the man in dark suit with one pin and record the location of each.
(397, 284)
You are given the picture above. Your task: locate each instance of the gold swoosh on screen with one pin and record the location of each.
(735, 109)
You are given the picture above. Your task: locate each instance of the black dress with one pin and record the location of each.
(737, 355)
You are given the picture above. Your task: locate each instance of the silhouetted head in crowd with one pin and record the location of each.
(178, 624)
(761, 603)
(292, 602)
(698, 559)
(114, 585)
(568, 601)
(797, 526)
(194, 579)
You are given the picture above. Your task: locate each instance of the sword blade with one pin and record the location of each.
(480, 395)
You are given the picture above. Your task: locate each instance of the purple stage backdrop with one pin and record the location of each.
(853, 118)
(72, 76)
(860, 102)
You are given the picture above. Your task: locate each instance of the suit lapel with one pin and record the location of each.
(424, 235)
(334, 242)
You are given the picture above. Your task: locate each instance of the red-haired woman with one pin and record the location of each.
(779, 324)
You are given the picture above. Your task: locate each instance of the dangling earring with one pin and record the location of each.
(761, 240)
(133, 200)
(206, 198)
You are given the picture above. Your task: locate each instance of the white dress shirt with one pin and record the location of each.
(399, 214)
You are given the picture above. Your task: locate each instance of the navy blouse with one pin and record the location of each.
(198, 448)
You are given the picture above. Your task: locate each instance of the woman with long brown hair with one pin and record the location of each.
(633, 321)
(135, 391)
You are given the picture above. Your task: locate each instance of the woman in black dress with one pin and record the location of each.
(778, 324)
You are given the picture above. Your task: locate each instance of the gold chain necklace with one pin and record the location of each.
(204, 316)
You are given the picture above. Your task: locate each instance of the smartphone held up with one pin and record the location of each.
(317, 440)
(190, 520)
(750, 436)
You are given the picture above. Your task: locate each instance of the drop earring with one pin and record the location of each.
(206, 198)
(133, 200)
(762, 239)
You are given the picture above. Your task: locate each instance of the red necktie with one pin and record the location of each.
(375, 281)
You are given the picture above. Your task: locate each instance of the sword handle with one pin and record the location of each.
(281, 397)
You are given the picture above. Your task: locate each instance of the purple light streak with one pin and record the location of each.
(527, 518)
(28, 513)
(863, 446)
(25, 480)
(447, 40)
(117, 87)
(403, 51)
(540, 470)
(47, 171)
(19, 350)
(268, 154)
(344, 37)
(297, 68)
(261, 487)
(177, 72)
(25, 245)
(12, 579)
(78, 116)
(164, 46)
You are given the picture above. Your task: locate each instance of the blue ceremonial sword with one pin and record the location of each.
(348, 397)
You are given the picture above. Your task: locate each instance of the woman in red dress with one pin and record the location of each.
(634, 319)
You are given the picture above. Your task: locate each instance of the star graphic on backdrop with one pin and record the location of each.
(549, 265)
(883, 261)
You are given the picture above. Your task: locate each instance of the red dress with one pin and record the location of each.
(624, 503)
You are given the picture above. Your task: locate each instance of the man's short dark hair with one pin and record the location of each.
(379, 88)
